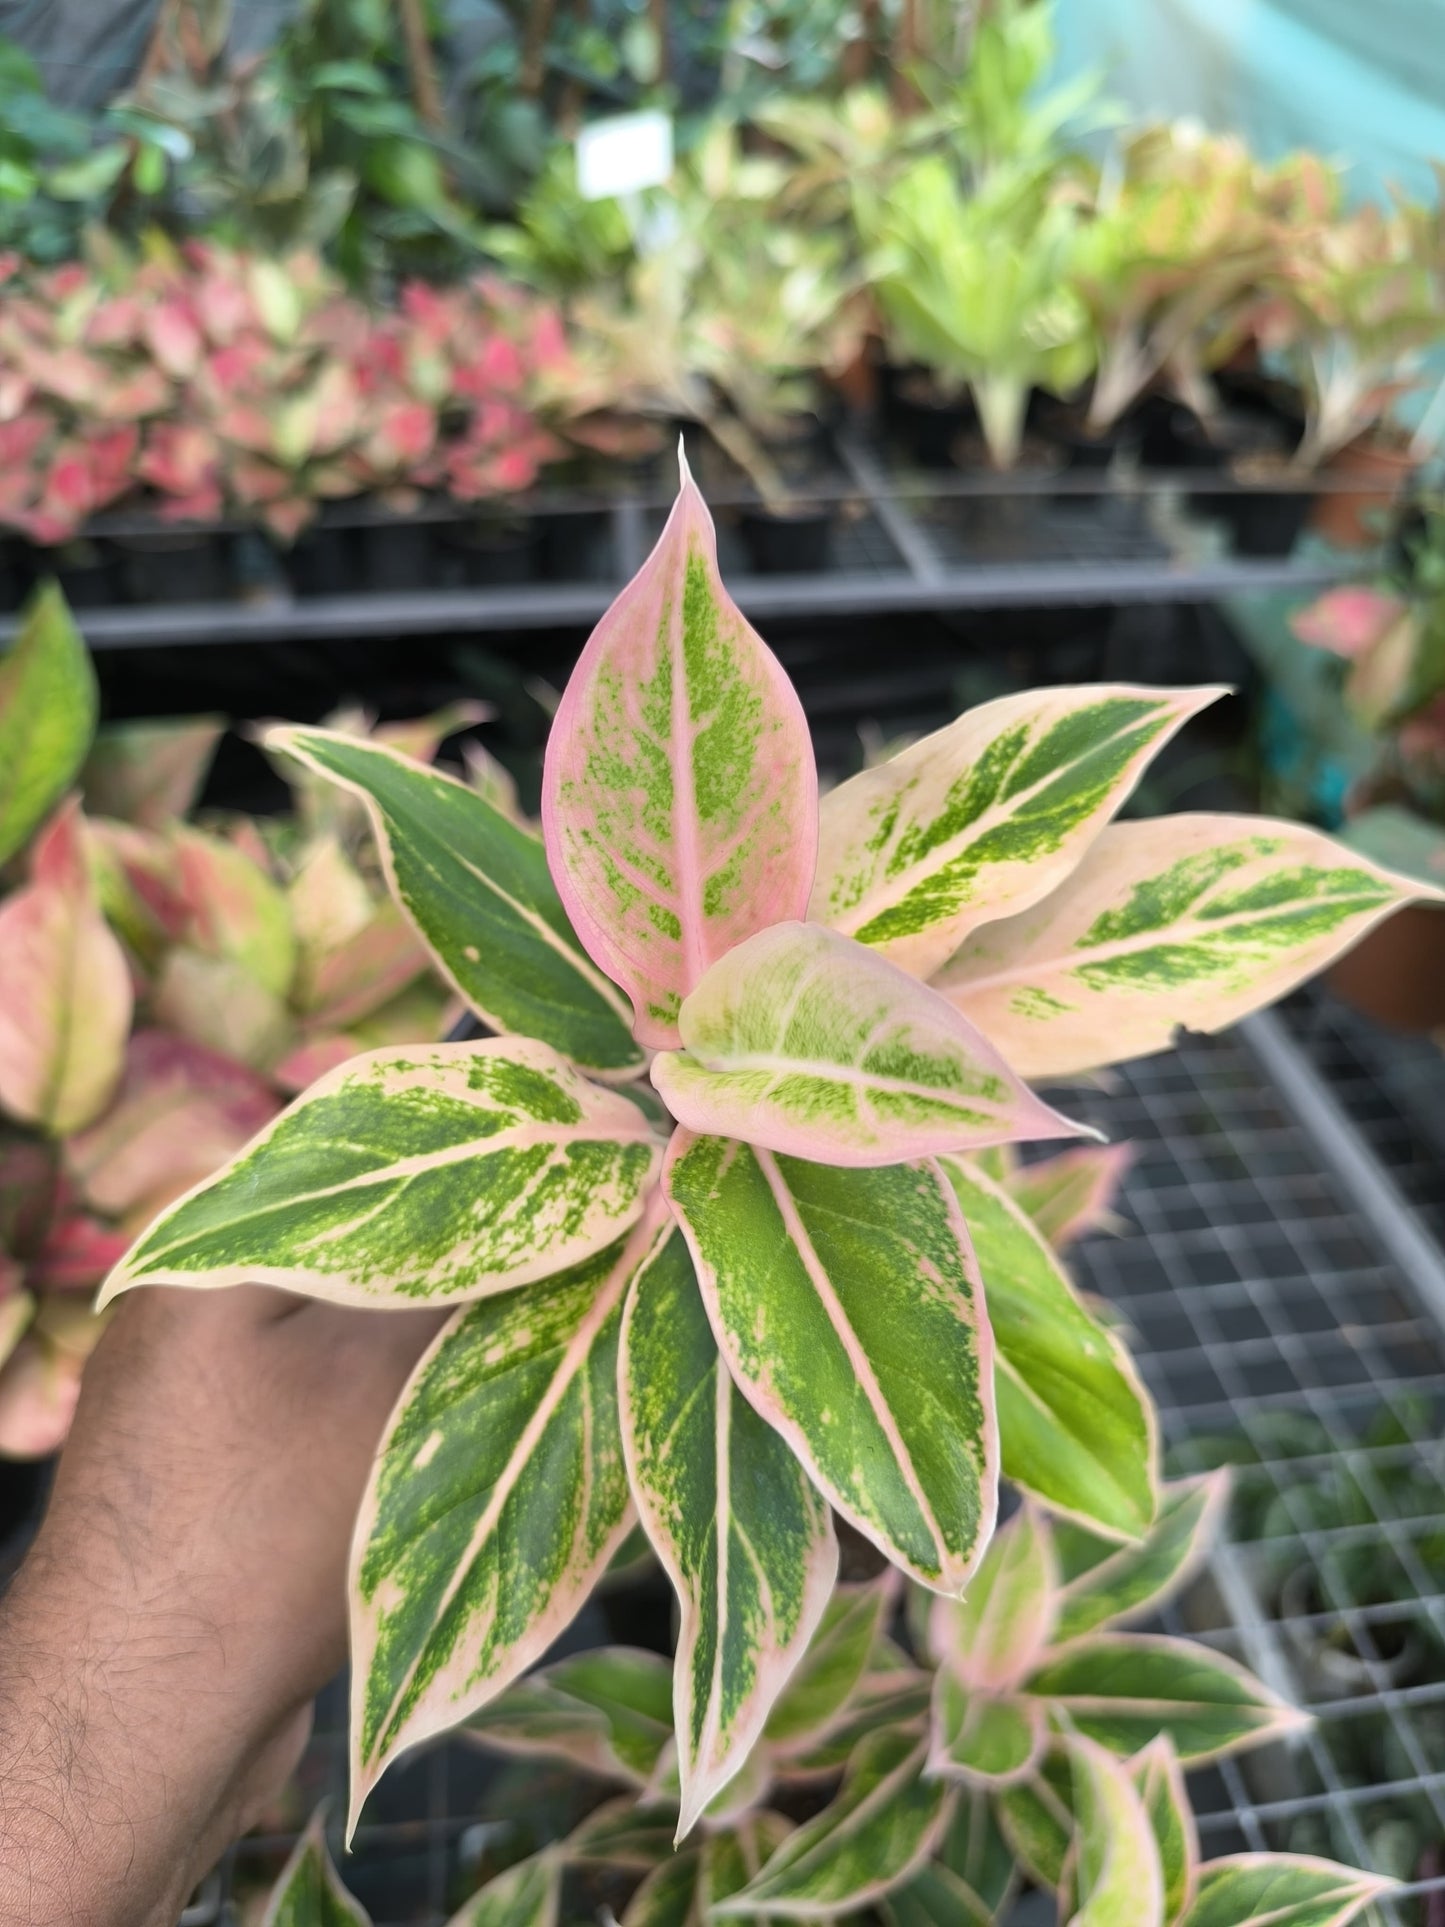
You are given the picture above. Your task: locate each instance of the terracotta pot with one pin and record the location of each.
(1397, 973)
(1350, 518)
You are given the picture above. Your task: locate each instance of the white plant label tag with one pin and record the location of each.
(624, 154)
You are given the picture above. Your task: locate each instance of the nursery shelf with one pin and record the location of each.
(1264, 1288)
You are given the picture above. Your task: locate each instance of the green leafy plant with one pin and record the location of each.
(788, 1305)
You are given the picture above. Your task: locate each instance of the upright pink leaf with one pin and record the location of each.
(679, 799)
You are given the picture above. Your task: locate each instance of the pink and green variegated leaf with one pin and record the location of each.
(363, 973)
(679, 800)
(1071, 1193)
(607, 1712)
(833, 1667)
(150, 773)
(526, 1895)
(1117, 1875)
(48, 703)
(237, 913)
(982, 1739)
(985, 817)
(433, 1175)
(847, 1307)
(498, 1496)
(1157, 1774)
(994, 1636)
(1184, 922)
(805, 1042)
(747, 1542)
(65, 989)
(1122, 1689)
(1282, 1890)
(734, 1857)
(893, 1692)
(1078, 1429)
(309, 1892)
(883, 1823)
(1123, 1582)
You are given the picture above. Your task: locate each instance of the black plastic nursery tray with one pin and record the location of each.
(1274, 1327)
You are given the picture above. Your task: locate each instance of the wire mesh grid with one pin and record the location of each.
(1271, 1330)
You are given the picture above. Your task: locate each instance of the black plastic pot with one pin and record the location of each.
(1263, 522)
(322, 561)
(176, 566)
(797, 543)
(575, 546)
(398, 555)
(14, 577)
(928, 427)
(493, 554)
(88, 573)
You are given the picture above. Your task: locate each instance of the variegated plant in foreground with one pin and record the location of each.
(824, 1293)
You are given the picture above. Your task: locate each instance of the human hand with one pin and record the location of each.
(186, 1597)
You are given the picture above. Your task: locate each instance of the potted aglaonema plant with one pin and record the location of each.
(686, 1203)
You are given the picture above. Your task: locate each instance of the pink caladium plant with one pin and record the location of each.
(756, 1279)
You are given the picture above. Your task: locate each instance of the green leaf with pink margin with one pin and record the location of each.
(1124, 1582)
(1186, 922)
(1282, 1890)
(746, 1541)
(994, 1636)
(66, 1005)
(48, 703)
(1072, 1192)
(679, 799)
(986, 1739)
(430, 1175)
(803, 1041)
(847, 1307)
(497, 1498)
(1116, 1872)
(668, 1896)
(1160, 1780)
(150, 773)
(237, 913)
(1037, 1818)
(1122, 1689)
(1077, 1427)
(526, 1895)
(833, 1666)
(181, 1112)
(1348, 621)
(621, 1833)
(970, 1880)
(985, 817)
(607, 1712)
(309, 1892)
(883, 1823)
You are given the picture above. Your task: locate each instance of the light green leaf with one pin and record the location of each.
(1184, 922)
(1037, 1819)
(833, 1666)
(607, 1712)
(150, 773)
(1117, 1872)
(526, 1895)
(1281, 1890)
(882, 1825)
(883, 1697)
(434, 1174)
(985, 817)
(497, 1498)
(237, 914)
(846, 1306)
(478, 890)
(994, 1636)
(1077, 1427)
(747, 1543)
(1130, 1580)
(805, 1042)
(977, 1737)
(309, 1892)
(1071, 1193)
(1160, 1780)
(1122, 1689)
(48, 705)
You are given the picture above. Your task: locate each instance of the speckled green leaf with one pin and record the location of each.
(607, 1712)
(977, 1737)
(1130, 1580)
(48, 706)
(880, 1827)
(1037, 1819)
(668, 1896)
(679, 799)
(1117, 1875)
(734, 1857)
(746, 1541)
(970, 1879)
(1281, 1890)
(498, 1495)
(885, 1696)
(433, 1174)
(847, 1308)
(622, 1833)
(1160, 1780)
(1186, 921)
(1071, 1193)
(803, 1041)
(526, 1895)
(994, 1636)
(478, 890)
(1122, 1689)
(833, 1666)
(309, 1892)
(981, 819)
(1076, 1424)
